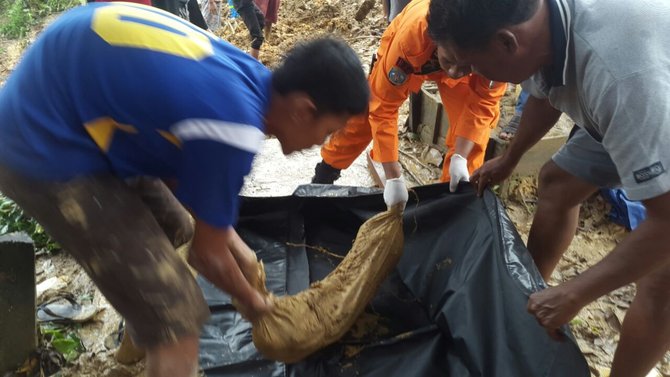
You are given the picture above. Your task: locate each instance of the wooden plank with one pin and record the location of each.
(429, 120)
(437, 124)
(415, 105)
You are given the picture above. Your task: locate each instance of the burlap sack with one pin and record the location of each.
(302, 324)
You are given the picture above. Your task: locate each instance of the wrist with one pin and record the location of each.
(457, 156)
(578, 292)
(512, 156)
(392, 170)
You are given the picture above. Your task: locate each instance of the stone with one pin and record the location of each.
(18, 336)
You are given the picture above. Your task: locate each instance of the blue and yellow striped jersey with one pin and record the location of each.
(131, 90)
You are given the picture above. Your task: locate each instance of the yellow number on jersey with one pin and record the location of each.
(102, 131)
(143, 27)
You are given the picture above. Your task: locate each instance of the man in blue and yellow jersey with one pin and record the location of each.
(115, 91)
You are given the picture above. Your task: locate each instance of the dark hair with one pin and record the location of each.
(329, 71)
(470, 24)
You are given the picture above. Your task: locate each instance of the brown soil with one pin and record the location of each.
(299, 20)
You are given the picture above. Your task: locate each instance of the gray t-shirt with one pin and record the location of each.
(617, 84)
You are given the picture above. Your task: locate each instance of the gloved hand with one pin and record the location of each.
(458, 171)
(395, 192)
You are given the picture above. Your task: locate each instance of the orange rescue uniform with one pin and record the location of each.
(405, 59)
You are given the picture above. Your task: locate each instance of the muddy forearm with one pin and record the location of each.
(212, 257)
(243, 254)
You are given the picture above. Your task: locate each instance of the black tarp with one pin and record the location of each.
(454, 306)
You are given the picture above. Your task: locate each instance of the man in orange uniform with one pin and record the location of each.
(407, 57)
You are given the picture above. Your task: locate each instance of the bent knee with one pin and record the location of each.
(654, 290)
(551, 175)
(552, 182)
(561, 188)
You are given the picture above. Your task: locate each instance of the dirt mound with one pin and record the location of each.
(303, 20)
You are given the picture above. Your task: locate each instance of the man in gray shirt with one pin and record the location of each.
(605, 63)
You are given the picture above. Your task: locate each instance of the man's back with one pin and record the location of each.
(617, 71)
(105, 86)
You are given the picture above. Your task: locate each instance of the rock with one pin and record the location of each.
(17, 300)
(128, 352)
(364, 9)
(432, 156)
(654, 373)
(50, 285)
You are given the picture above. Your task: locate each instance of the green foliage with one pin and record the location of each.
(21, 15)
(63, 340)
(577, 322)
(19, 20)
(44, 8)
(12, 219)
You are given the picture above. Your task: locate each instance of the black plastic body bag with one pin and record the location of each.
(454, 306)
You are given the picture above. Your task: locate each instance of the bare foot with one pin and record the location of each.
(509, 130)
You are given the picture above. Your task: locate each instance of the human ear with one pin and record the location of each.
(506, 41)
(303, 108)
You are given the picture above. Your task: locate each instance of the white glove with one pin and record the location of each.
(458, 171)
(395, 192)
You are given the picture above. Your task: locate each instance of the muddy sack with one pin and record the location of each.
(302, 324)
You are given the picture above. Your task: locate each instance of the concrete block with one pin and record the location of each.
(17, 300)
(538, 155)
(530, 163)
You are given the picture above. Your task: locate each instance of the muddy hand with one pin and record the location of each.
(245, 258)
(253, 308)
(224, 272)
(554, 307)
(492, 172)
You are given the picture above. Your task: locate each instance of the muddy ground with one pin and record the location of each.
(273, 174)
